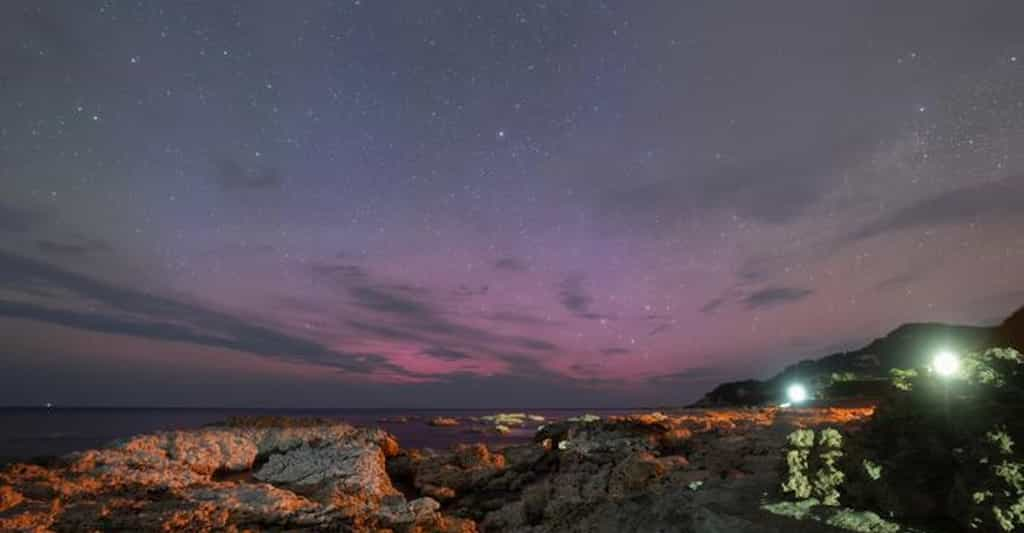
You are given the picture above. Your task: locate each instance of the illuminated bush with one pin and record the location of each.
(827, 478)
(946, 444)
(902, 379)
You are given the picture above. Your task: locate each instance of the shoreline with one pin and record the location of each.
(279, 473)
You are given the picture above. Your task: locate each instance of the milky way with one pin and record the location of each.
(469, 203)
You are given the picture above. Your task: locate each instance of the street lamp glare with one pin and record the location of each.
(796, 393)
(946, 364)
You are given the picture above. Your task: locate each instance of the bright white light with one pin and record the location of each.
(946, 364)
(796, 393)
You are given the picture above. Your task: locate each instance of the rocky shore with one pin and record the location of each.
(692, 470)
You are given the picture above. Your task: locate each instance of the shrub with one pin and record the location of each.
(827, 478)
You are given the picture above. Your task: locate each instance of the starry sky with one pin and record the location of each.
(418, 203)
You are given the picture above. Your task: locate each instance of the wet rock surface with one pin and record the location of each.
(692, 470)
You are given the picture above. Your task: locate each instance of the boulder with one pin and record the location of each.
(349, 476)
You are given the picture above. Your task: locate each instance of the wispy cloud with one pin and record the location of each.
(511, 264)
(775, 296)
(78, 248)
(525, 319)
(446, 354)
(341, 272)
(774, 189)
(124, 311)
(659, 328)
(1003, 198)
(712, 305)
(395, 315)
(898, 281)
(573, 295)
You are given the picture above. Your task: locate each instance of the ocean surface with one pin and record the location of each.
(27, 432)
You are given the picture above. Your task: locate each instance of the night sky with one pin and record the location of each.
(484, 203)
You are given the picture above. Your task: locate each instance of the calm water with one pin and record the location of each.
(27, 432)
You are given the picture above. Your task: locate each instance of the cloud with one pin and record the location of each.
(511, 264)
(614, 350)
(774, 296)
(587, 369)
(406, 317)
(80, 248)
(774, 189)
(388, 332)
(537, 344)
(230, 176)
(19, 219)
(446, 354)
(995, 198)
(382, 301)
(898, 281)
(660, 328)
(122, 311)
(574, 297)
(524, 319)
(712, 305)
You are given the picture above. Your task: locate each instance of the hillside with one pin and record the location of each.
(1011, 331)
(909, 345)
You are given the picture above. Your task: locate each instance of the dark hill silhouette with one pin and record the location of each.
(1011, 331)
(910, 345)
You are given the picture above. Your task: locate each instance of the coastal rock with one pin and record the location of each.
(694, 470)
(512, 419)
(443, 421)
(9, 498)
(315, 475)
(465, 467)
(350, 477)
(256, 500)
(209, 451)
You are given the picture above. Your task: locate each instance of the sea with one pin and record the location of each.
(33, 433)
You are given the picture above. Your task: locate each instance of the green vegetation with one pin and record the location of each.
(799, 509)
(950, 441)
(872, 470)
(862, 522)
(827, 477)
(902, 378)
(946, 445)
